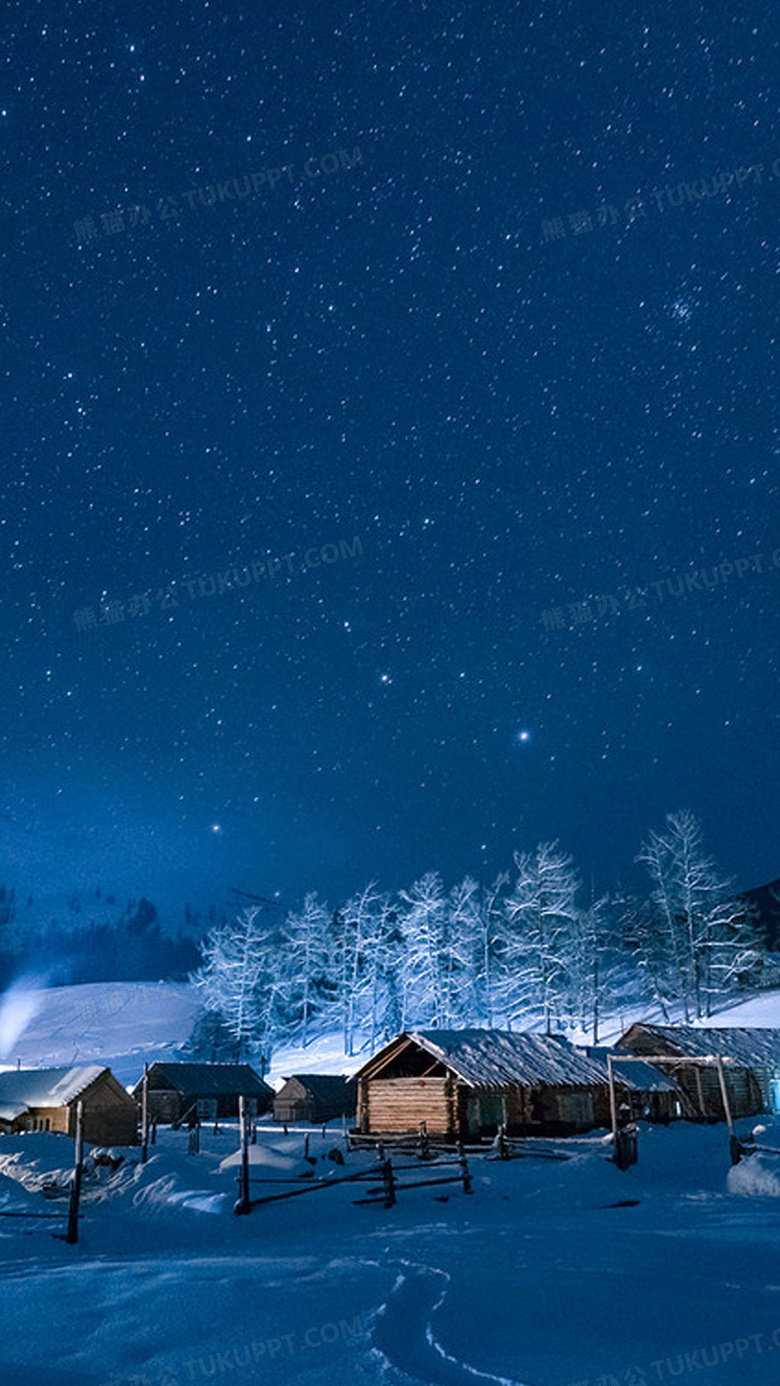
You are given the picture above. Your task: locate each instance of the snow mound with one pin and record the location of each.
(271, 1159)
(755, 1178)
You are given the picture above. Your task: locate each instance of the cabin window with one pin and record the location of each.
(48, 1124)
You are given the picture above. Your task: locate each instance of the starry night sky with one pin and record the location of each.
(519, 417)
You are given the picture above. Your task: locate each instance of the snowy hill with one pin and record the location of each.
(121, 1024)
(116, 1023)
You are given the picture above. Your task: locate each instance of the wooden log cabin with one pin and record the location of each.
(465, 1083)
(182, 1092)
(45, 1099)
(751, 1068)
(314, 1097)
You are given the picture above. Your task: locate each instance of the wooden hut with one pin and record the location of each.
(178, 1092)
(751, 1067)
(465, 1083)
(315, 1097)
(44, 1099)
(649, 1093)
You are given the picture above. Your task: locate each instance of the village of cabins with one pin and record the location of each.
(457, 1084)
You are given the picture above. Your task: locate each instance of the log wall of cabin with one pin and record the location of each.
(701, 1084)
(57, 1118)
(395, 1105)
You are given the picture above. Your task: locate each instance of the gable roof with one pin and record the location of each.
(325, 1087)
(503, 1058)
(210, 1080)
(46, 1087)
(751, 1048)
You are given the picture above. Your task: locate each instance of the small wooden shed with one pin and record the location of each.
(315, 1097)
(465, 1083)
(44, 1099)
(751, 1069)
(179, 1092)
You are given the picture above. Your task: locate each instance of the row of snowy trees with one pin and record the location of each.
(528, 952)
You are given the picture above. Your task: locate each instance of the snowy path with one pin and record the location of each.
(405, 1334)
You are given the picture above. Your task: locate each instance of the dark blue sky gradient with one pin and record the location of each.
(395, 351)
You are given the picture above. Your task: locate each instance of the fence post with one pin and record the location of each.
(243, 1205)
(389, 1182)
(72, 1234)
(464, 1169)
(145, 1115)
(425, 1145)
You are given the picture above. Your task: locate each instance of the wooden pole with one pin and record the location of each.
(72, 1234)
(724, 1094)
(145, 1115)
(612, 1107)
(243, 1205)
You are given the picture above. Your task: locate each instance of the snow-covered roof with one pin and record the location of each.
(634, 1075)
(46, 1087)
(324, 1086)
(502, 1058)
(752, 1048)
(206, 1080)
(9, 1111)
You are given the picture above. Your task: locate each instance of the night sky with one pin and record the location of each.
(458, 319)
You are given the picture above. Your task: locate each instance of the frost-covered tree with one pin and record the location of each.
(705, 940)
(540, 916)
(423, 925)
(236, 967)
(309, 965)
(487, 963)
(462, 953)
(361, 941)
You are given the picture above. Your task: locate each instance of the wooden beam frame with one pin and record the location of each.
(679, 1061)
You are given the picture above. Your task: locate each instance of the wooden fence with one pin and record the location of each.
(385, 1192)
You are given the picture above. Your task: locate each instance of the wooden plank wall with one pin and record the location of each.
(400, 1104)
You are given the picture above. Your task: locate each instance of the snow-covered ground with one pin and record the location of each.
(551, 1272)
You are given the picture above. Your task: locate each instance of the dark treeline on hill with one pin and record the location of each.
(93, 938)
(533, 950)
